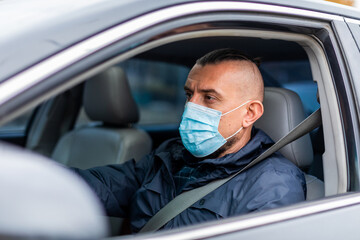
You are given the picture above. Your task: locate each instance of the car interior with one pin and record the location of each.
(128, 109)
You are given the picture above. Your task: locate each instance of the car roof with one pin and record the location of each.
(33, 30)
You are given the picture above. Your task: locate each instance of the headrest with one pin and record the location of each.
(283, 110)
(107, 98)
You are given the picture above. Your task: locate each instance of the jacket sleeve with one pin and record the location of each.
(274, 188)
(115, 185)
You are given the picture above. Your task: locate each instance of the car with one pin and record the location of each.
(68, 67)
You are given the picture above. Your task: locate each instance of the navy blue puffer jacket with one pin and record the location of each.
(137, 190)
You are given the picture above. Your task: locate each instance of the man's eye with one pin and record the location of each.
(207, 97)
(188, 95)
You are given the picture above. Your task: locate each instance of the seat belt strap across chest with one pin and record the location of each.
(188, 198)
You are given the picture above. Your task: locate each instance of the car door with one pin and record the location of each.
(317, 33)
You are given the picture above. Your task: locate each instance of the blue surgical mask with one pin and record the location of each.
(199, 129)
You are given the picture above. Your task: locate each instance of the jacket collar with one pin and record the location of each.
(258, 143)
(223, 166)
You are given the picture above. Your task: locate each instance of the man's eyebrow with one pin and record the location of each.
(213, 92)
(187, 89)
(210, 91)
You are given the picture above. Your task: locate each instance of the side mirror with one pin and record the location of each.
(42, 199)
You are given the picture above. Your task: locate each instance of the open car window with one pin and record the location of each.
(157, 87)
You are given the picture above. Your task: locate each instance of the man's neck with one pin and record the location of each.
(240, 143)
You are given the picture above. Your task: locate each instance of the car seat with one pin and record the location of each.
(283, 110)
(107, 99)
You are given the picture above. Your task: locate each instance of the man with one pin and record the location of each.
(224, 98)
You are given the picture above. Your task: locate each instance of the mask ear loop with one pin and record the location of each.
(232, 111)
(234, 133)
(236, 108)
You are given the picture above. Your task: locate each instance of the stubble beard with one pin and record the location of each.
(223, 148)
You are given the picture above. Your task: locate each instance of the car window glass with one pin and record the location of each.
(157, 88)
(294, 75)
(18, 124)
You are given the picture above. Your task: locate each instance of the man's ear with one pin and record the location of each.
(254, 112)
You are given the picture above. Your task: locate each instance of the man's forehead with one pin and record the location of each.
(214, 76)
(192, 81)
(202, 84)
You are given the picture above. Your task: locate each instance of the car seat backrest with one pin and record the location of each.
(108, 100)
(283, 110)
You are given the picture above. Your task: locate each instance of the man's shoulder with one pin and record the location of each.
(277, 166)
(276, 163)
(172, 148)
(169, 145)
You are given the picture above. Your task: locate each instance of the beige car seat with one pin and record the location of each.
(107, 99)
(284, 111)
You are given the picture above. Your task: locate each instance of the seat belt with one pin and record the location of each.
(188, 198)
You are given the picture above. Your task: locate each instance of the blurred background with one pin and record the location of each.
(352, 3)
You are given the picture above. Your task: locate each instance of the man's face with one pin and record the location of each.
(219, 86)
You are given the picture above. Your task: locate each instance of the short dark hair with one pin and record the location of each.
(225, 54)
